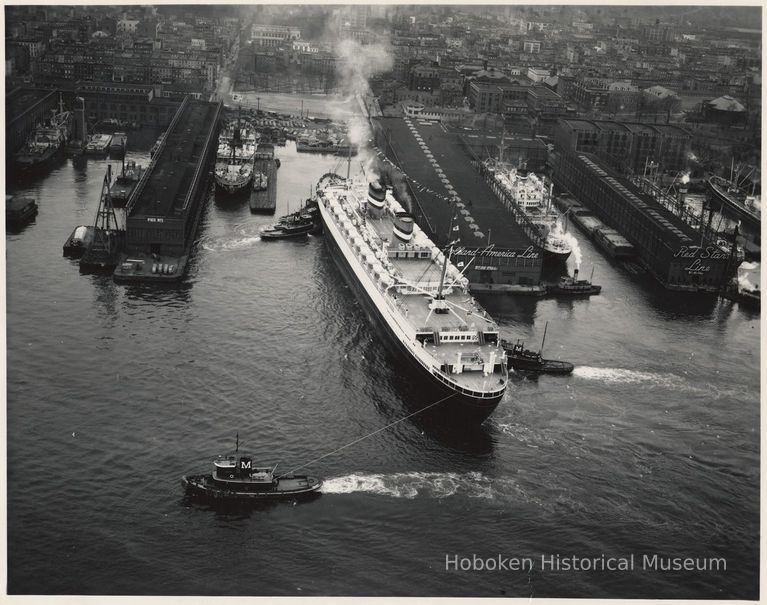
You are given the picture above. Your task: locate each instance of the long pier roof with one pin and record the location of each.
(171, 173)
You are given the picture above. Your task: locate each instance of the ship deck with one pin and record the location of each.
(458, 332)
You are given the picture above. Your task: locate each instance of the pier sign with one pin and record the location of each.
(698, 252)
(490, 251)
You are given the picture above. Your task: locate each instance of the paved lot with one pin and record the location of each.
(447, 155)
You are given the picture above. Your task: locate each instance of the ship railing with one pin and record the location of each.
(445, 378)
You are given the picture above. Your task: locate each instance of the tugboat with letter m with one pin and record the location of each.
(235, 477)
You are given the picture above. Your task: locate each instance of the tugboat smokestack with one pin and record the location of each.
(575, 274)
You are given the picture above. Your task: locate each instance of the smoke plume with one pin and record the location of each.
(572, 242)
(356, 64)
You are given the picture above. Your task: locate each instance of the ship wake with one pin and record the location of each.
(661, 380)
(419, 484)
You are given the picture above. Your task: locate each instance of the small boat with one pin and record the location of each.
(77, 243)
(286, 231)
(19, 211)
(572, 286)
(235, 477)
(520, 358)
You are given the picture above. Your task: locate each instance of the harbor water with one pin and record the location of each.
(651, 447)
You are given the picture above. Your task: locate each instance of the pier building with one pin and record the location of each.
(677, 255)
(164, 210)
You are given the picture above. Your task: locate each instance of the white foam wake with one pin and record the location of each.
(418, 484)
(649, 379)
(224, 245)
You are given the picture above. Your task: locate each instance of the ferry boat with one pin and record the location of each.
(98, 144)
(418, 298)
(125, 183)
(235, 157)
(532, 196)
(45, 143)
(235, 477)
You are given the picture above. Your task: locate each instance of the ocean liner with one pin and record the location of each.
(532, 197)
(418, 298)
(235, 157)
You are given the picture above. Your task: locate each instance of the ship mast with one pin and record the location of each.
(546, 327)
(439, 305)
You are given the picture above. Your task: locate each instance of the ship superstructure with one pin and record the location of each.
(45, 142)
(235, 156)
(419, 297)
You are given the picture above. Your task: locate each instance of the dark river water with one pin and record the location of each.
(650, 448)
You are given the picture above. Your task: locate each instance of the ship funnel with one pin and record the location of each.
(575, 275)
(403, 227)
(376, 197)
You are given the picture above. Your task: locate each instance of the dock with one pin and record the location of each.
(451, 200)
(265, 201)
(164, 209)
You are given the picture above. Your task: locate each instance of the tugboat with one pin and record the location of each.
(288, 230)
(572, 286)
(235, 477)
(520, 358)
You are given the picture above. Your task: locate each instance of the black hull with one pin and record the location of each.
(720, 198)
(39, 167)
(458, 407)
(201, 486)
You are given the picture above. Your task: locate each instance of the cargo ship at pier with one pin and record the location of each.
(531, 196)
(45, 144)
(235, 157)
(418, 298)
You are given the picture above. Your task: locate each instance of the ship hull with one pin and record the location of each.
(457, 407)
(720, 197)
(556, 255)
(232, 188)
(39, 164)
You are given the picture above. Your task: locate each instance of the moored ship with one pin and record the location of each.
(45, 144)
(531, 195)
(728, 195)
(235, 157)
(417, 296)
